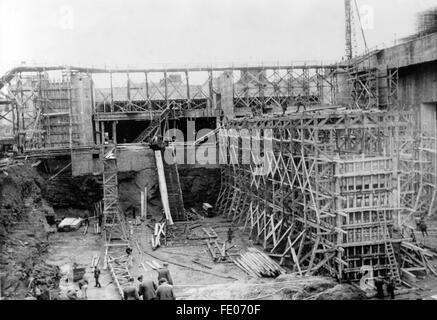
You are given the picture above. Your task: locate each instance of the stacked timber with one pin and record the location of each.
(258, 264)
(416, 259)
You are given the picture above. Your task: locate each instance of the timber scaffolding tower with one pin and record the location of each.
(325, 195)
(115, 231)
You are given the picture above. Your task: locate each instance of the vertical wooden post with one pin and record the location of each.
(128, 92)
(166, 89)
(70, 118)
(142, 204)
(145, 202)
(149, 106)
(188, 90)
(211, 93)
(114, 132)
(112, 92)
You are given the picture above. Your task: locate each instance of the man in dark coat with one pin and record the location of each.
(165, 273)
(379, 284)
(423, 227)
(147, 289)
(130, 292)
(391, 287)
(97, 276)
(230, 234)
(165, 291)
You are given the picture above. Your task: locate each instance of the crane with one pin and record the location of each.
(350, 36)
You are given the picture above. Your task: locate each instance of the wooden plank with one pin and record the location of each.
(163, 187)
(296, 261)
(201, 264)
(145, 202)
(142, 204)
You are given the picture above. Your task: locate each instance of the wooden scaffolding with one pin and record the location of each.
(116, 235)
(320, 192)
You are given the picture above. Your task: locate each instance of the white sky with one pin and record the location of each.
(150, 33)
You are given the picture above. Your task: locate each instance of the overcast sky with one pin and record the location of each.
(146, 32)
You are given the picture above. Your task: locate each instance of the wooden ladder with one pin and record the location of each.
(393, 264)
(114, 222)
(174, 191)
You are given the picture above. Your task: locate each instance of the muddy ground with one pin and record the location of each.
(210, 280)
(207, 280)
(32, 249)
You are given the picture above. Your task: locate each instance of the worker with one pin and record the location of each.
(165, 290)
(147, 288)
(130, 292)
(165, 273)
(391, 287)
(413, 236)
(100, 220)
(97, 276)
(379, 285)
(83, 286)
(417, 220)
(284, 109)
(86, 221)
(299, 103)
(230, 235)
(423, 227)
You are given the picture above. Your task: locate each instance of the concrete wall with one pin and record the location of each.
(416, 51)
(225, 83)
(417, 63)
(82, 110)
(83, 162)
(413, 52)
(418, 84)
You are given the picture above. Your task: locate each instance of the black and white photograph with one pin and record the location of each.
(237, 152)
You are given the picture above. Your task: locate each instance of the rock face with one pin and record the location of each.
(130, 185)
(199, 185)
(23, 232)
(66, 191)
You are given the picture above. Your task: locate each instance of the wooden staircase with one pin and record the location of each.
(153, 127)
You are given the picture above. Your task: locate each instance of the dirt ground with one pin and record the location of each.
(74, 247)
(222, 280)
(207, 280)
(217, 281)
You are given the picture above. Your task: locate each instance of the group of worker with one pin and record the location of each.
(147, 288)
(389, 283)
(83, 285)
(299, 102)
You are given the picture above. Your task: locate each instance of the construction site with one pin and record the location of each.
(282, 182)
